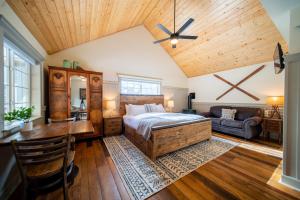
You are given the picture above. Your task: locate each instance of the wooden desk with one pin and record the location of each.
(52, 130)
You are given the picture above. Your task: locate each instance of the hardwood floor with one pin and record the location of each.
(257, 141)
(238, 174)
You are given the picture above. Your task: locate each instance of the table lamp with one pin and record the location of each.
(170, 105)
(275, 102)
(111, 106)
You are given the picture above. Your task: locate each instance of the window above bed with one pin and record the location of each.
(139, 85)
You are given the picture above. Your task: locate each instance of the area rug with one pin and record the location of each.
(143, 177)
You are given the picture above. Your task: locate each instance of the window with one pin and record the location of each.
(16, 79)
(139, 86)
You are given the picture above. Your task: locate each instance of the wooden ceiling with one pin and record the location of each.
(232, 33)
(61, 24)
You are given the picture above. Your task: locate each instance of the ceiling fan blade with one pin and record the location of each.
(162, 40)
(164, 29)
(173, 46)
(187, 23)
(189, 37)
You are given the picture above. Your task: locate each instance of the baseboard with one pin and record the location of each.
(290, 182)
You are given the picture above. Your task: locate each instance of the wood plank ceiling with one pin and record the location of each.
(232, 33)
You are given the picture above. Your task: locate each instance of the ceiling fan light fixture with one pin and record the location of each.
(173, 37)
(174, 41)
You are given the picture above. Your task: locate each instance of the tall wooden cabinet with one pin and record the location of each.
(59, 96)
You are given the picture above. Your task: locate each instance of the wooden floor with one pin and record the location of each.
(238, 174)
(271, 143)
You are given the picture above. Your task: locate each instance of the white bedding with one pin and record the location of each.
(143, 123)
(131, 121)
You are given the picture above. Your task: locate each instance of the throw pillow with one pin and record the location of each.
(228, 113)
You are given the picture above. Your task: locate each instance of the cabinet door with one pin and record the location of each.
(58, 98)
(96, 102)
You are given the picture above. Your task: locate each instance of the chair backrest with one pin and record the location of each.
(73, 119)
(43, 151)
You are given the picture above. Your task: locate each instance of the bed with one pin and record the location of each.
(163, 138)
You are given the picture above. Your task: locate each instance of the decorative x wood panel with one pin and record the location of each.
(235, 86)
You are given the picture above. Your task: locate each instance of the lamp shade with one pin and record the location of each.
(171, 104)
(111, 104)
(275, 100)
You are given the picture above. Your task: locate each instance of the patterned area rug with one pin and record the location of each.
(142, 177)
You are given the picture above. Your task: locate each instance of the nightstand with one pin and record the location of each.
(112, 125)
(271, 125)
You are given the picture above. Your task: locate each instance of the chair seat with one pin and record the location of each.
(48, 169)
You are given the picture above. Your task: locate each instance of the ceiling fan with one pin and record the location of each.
(175, 36)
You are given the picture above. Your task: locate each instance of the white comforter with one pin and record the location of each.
(144, 123)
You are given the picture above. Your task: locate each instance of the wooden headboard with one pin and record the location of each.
(139, 100)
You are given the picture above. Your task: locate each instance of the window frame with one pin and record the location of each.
(11, 52)
(139, 79)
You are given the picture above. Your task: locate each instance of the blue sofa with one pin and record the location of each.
(247, 122)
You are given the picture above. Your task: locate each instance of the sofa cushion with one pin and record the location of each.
(245, 113)
(216, 121)
(216, 111)
(232, 123)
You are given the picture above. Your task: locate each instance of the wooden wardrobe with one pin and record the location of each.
(59, 96)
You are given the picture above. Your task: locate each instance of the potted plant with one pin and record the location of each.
(24, 114)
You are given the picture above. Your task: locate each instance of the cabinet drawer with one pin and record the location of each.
(112, 126)
(113, 131)
(113, 123)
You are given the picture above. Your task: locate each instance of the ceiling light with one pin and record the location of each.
(174, 41)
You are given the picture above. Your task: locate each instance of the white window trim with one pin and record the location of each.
(12, 50)
(139, 79)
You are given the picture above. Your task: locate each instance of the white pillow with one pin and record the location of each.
(156, 108)
(134, 110)
(228, 113)
(149, 106)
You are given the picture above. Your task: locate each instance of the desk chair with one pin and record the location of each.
(44, 164)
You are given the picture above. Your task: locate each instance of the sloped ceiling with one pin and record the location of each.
(232, 33)
(61, 24)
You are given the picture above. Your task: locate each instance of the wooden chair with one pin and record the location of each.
(43, 164)
(73, 119)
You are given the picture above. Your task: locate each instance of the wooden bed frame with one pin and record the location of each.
(164, 139)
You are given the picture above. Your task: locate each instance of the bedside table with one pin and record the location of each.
(112, 125)
(271, 125)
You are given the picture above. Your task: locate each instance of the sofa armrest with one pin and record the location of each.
(252, 121)
(205, 114)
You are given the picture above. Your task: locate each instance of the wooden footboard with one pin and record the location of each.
(166, 140)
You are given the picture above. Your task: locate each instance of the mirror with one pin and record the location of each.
(78, 100)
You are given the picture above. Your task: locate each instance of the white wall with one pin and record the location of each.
(129, 52)
(263, 84)
(279, 11)
(15, 21)
(294, 45)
